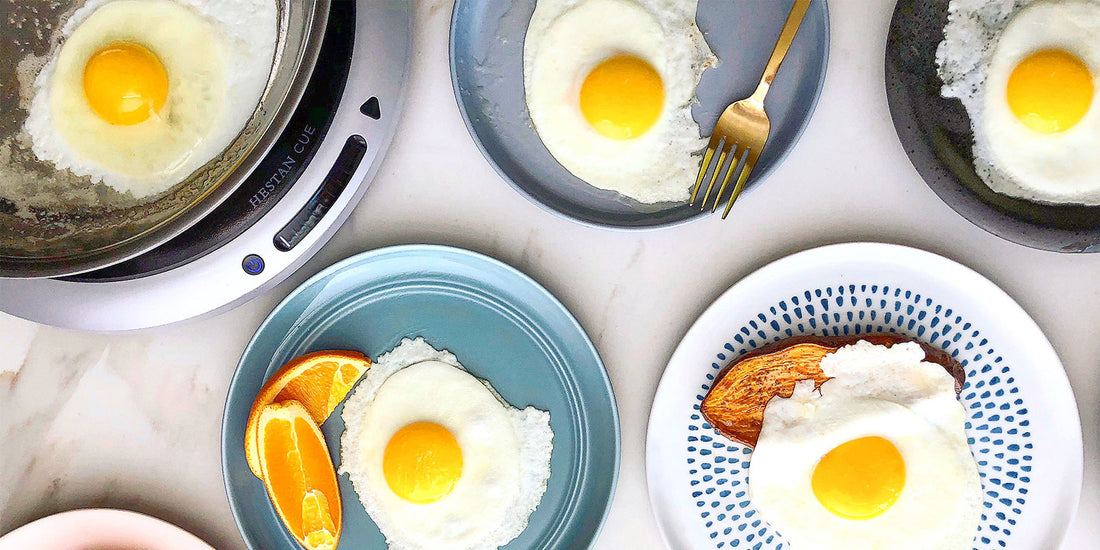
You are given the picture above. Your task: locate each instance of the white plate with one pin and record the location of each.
(97, 529)
(1022, 424)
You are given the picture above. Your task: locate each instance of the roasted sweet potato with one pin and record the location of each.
(736, 401)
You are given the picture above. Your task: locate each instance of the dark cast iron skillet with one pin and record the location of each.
(937, 136)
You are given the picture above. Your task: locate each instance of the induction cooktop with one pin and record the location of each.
(287, 208)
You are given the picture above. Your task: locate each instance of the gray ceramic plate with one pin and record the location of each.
(487, 72)
(502, 325)
(936, 134)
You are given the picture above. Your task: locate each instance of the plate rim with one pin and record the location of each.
(431, 250)
(884, 254)
(117, 517)
(456, 90)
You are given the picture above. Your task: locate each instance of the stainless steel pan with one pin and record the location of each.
(46, 231)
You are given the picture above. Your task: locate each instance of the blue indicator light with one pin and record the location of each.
(253, 264)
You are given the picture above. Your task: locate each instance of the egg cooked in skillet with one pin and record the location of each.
(609, 86)
(142, 93)
(1028, 74)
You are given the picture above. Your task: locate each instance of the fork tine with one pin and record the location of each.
(750, 163)
(738, 154)
(715, 142)
(714, 176)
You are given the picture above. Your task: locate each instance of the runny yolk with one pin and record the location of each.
(1050, 91)
(860, 479)
(622, 97)
(125, 83)
(422, 462)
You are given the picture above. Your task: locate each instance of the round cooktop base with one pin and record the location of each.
(302, 191)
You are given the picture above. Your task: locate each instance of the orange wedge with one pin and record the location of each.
(318, 381)
(299, 475)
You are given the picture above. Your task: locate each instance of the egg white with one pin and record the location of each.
(505, 451)
(984, 41)
(875, 391)
(566, 39)
(217, 56)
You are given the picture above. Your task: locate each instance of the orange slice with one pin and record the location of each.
(299, 475)
(318, 381)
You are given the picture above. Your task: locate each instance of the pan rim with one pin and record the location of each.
(62, 265)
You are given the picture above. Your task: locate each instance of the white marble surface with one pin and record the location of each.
(133, 420)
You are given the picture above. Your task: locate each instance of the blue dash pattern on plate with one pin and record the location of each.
(997, 417)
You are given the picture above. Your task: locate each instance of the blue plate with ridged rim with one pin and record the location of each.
(502, 325)
(1022, 422)
(486, 49)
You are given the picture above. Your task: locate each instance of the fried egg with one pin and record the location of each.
(438, 458)
(142, 93)
(609, 86)
(877, 458)
(1028, 74)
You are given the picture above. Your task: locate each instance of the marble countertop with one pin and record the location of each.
(133, 420)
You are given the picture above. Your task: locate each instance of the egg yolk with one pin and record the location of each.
(860, 479)
(1050, 91)
(622, 97)
(125, 83)
(422, 462)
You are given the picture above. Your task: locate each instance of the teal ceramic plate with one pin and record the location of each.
(504, 328)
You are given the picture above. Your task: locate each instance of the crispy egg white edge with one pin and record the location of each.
(1061, 167)
(658, 166)
(534, 453)
(793, 440)
(963, 60)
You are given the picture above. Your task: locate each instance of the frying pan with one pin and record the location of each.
(937, 136)
(47, 231)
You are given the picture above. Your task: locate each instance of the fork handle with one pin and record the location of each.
(790, 29)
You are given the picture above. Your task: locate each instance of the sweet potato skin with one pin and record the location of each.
(736, 401)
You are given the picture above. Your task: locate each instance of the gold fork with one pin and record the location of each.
(743, 127)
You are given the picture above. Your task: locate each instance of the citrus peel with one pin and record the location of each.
(298, 474)
(318, 381)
